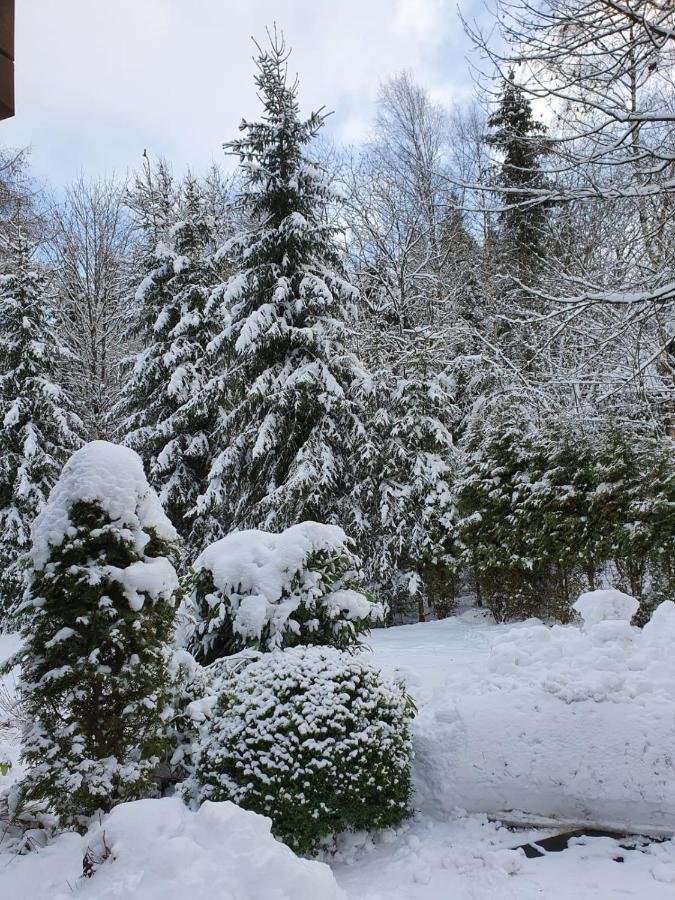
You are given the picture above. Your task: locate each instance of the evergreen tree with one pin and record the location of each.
(38, 427)
(407, 493)
(101, 609)
(288, 424)
(521, 140)
(164, 424)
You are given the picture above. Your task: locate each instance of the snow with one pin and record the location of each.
(471, 858)
(262, 563)
(597, 606)
(530, 723)
(266, 576)
(111, 476)
(481, 690)
(162, 849)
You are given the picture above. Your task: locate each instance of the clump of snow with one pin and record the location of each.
(605, 605)
(152, 849)
(111, 476)
(263, 564)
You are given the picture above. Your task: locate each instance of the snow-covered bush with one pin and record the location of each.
(263, 590)
(99, 615)
(316, 740)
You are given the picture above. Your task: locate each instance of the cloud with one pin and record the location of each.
(100, 80)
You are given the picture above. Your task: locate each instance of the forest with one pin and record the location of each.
(251, 416)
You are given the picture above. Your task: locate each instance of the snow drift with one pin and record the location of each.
(534, 722)
(153, 849)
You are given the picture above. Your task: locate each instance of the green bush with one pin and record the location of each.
(268, 591)
(316, 740)
(99, 618)
(547, 511)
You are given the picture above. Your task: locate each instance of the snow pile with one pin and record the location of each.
(607, 662)
(606, 605)
(111, 476)
(531, 722)
(254, 582)
(154, 849)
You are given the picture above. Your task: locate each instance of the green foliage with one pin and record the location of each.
(310, 596)
(314, 739)
(546, 511)
(94, 671)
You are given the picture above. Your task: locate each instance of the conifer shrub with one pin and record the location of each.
(548, 511)
(267, 591)
(315, 739)
(100, 613)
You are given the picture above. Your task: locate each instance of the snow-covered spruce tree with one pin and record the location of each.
(407, 493)
(288, 425)
(265, 591)
(521, 140)
(100, 611)
(315, 739)
(166, 422)
(37, 426)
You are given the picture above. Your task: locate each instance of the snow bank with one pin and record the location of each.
(111, 476)
(161, 849)
(537, 723)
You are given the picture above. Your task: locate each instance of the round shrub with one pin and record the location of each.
(315, 739)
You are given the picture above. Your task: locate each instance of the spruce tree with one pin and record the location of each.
(38, 428)
(288, 424)
(100, 612)
(407, 495)
(165, 421)
(521, 140)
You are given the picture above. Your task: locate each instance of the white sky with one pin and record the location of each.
(97, 81)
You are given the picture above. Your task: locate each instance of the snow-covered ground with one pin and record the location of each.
(528, 721)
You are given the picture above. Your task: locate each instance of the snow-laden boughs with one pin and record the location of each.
(100, 612)
(406, 493)
(262, 590)
(288, 423)
(315, 739)
(37, 426)
(165, 421)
